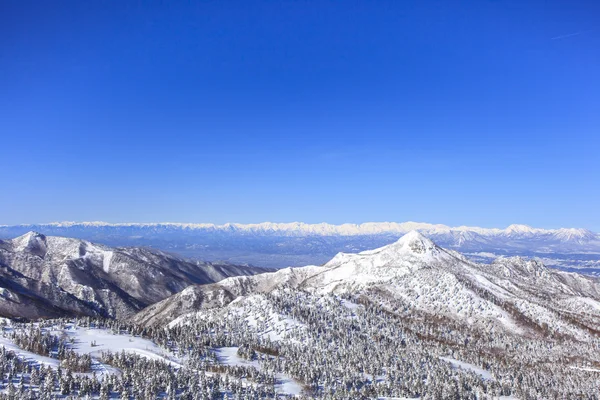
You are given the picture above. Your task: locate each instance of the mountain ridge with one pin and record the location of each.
(294, 244)
(53, 276)
(326, 228)
(514, 294)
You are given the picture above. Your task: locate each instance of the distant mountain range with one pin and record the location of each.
(49, 276)
(293, 244)
(323, 229)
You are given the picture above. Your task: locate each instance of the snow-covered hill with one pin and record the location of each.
(280, 245)
(49, 276)
(512, 294)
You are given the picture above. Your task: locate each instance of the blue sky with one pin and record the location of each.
(480, 113)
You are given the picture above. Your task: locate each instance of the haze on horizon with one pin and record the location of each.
(480, 114)
(290, 225)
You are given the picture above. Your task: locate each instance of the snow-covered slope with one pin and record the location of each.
(512, 294)
(48, 276)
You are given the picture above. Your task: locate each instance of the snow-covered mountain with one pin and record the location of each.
(279, 245)
(512, 294)
(406, 320)
(49, 276)
(323, 229)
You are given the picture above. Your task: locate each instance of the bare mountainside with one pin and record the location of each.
(48, 276)
(279, 245)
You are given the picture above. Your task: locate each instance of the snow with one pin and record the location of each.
(590, 302)
(348, 272)
(520, 229)
(29, 240)
(468, 367)
(568, 234)
(27, 355)
(350, 305)
(284, 385)
(229, 356)
(484, 254)
(589, 369)
(105, 340)
(107, 257)
(499, 291)
(414, 271)
(260, 314)
(398, 398)
(325, 229)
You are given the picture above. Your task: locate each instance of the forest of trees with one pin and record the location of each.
(333, 350)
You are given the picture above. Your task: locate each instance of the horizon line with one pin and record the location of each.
(418, 225)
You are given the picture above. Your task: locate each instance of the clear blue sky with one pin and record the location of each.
(481, 113)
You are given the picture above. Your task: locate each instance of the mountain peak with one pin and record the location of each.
(29, 235)
(415, 242)
(519, 228)
(574, 234)
(32, 242)
(412, 245)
